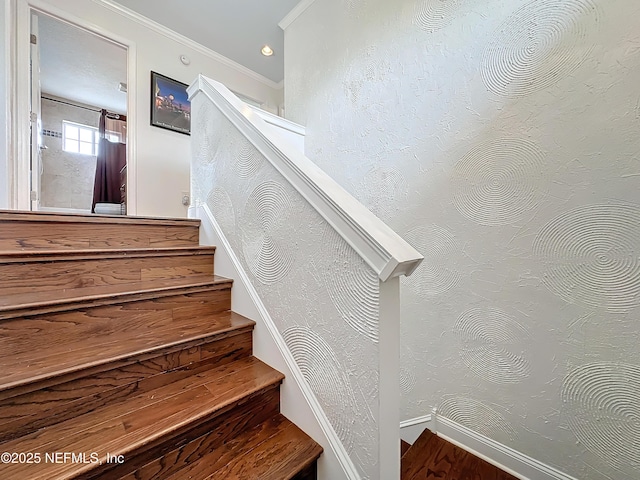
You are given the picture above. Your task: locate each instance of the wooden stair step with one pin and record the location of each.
(275, 449)
(37, 303)
(143, 423)
(26, 367)
(285, 452)
(45, 230)
(45, 270)
(433, 457)
(39, 404)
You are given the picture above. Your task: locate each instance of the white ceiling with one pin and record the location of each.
(236, 29)
(81, 66)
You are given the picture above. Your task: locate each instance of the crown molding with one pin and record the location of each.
(187, 42)
(295, 13)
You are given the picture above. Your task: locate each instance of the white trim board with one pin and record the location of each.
(187, 42)
(411, 429)
(506, 458)
(388, 254)
(295, 13)
(298, 402)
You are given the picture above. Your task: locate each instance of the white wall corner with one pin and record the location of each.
(295, 13)
(298, 402)
(506, 458)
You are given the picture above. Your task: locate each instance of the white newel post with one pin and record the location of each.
(389, 381)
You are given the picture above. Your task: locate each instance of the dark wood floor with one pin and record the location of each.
(431, 457)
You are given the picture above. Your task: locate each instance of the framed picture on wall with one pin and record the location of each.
(170, 106)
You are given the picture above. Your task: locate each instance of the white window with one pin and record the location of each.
(83, 139)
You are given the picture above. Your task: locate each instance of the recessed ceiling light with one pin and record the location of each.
(267, 51)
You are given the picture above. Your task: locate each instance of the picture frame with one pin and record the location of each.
(170, 105)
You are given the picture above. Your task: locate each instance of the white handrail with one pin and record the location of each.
(381, 248)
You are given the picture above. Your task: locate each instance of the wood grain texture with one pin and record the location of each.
(34, 350)
(285, 451)
(273, 450)
(205, 451)
(143, 421)
(431, 457)
(38, 303)
(117, 338)
(23, 414)
(43, 230)
(46, 270)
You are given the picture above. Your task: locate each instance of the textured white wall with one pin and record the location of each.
(323, 297)
(502, 139)
(67, 178)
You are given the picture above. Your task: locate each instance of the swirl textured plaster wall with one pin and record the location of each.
(501, 139)
(320, 293)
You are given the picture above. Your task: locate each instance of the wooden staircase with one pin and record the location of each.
(120, 358)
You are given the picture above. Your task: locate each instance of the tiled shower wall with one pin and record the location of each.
(67, 178)
(502, 139)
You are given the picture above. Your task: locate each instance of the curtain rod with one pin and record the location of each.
(115, 116)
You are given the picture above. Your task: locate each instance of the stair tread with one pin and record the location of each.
(132, 426)
(30, 301)
(19, 215)
(273, 450)
(30, 366)
(52, 255)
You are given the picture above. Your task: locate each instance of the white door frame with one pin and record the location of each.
(18, 104)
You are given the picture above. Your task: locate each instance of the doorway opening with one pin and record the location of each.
(79, 101)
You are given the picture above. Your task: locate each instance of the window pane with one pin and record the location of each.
(86, 135)
(86, 148)
(71, 145)
(71, 131)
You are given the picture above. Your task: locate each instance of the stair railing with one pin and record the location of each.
(325, 267)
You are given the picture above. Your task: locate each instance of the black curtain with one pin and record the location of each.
(112, 157)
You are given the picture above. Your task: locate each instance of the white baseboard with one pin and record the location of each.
(506, 458)
(298, 402)
(411, 429)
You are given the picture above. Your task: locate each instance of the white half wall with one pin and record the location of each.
(268, 344)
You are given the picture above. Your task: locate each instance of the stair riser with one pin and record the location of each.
(37, 235)
(165, 458)
(49, 276)
(71, 397)
(26, 341)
